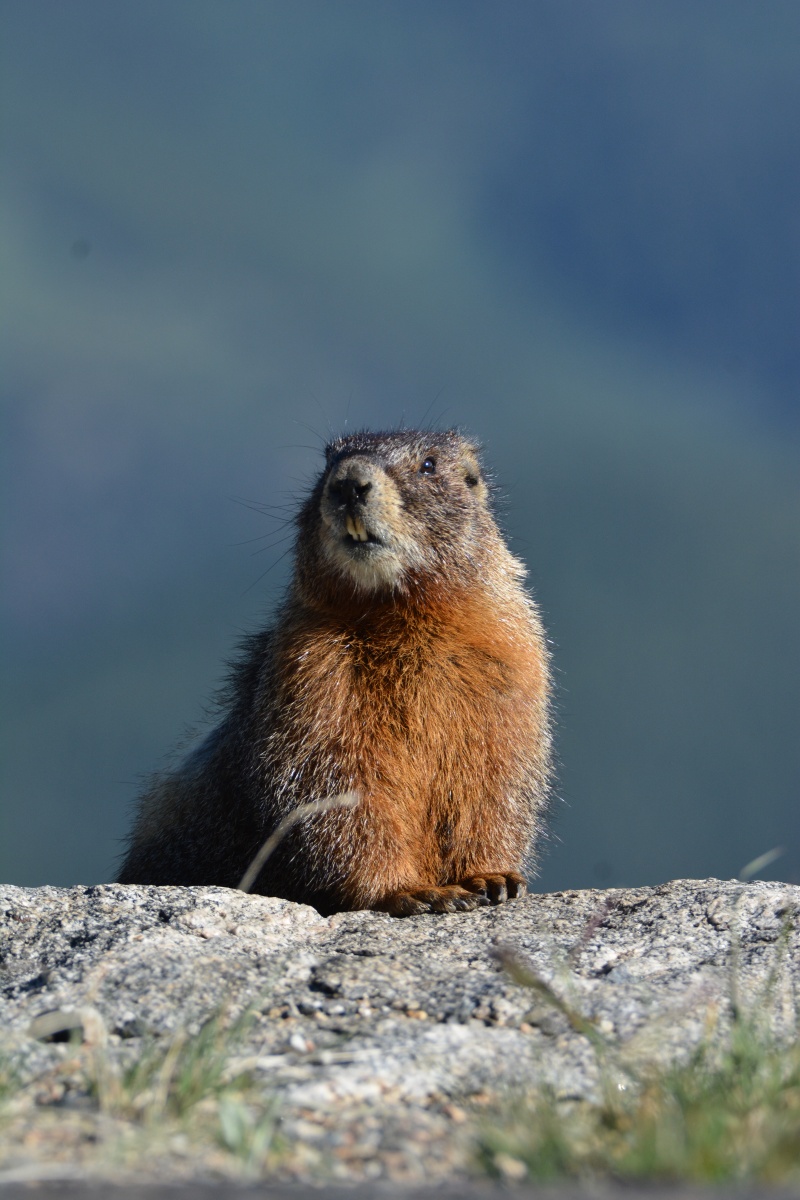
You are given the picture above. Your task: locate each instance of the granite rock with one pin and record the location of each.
(374, 1032)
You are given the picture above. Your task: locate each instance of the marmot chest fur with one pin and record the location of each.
(407, 667)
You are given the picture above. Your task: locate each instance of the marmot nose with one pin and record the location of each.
(349, 491)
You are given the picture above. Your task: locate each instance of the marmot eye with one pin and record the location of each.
(428, 467)
(471, 480)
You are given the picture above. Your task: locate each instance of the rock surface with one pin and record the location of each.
(376, 1035)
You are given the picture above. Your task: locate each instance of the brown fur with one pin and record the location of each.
(408, 664)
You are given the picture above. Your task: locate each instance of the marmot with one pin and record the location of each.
(407, 665)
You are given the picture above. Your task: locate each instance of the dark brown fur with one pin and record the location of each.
(408, 665)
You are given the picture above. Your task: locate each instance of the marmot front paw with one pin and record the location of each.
(451, 898)
(497, 888)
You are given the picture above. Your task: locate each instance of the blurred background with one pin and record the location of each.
(230, 229)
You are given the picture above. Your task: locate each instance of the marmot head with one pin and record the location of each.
(395, 511)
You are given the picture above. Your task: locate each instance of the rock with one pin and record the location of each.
(372, 1032)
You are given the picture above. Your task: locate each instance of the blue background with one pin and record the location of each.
(571, 228)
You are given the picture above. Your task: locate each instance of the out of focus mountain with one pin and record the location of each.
(571, 228)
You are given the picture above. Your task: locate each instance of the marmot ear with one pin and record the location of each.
(472, 473)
